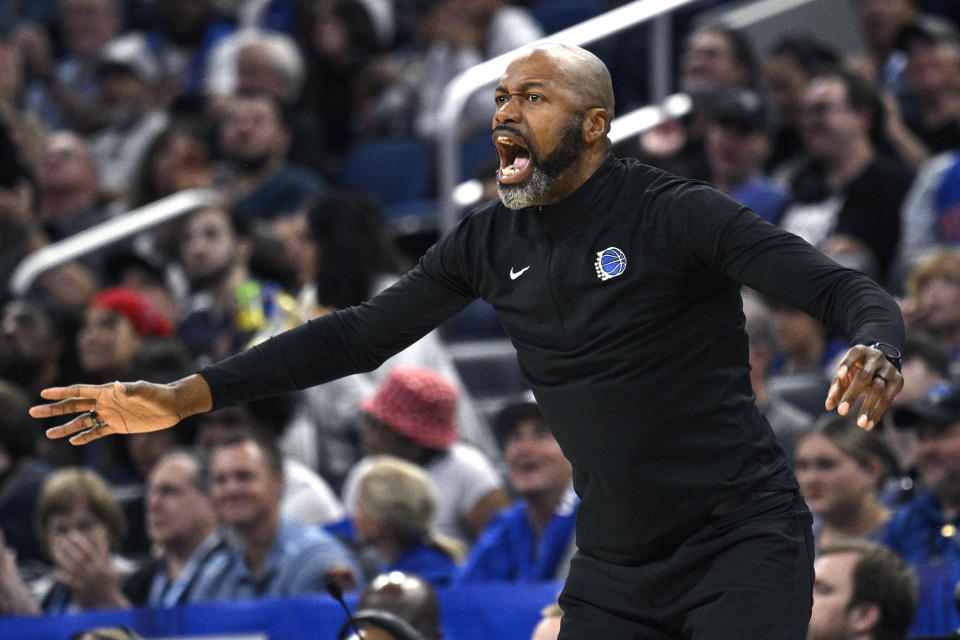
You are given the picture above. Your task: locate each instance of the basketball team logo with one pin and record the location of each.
(610, 263)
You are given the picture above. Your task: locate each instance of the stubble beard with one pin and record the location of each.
(544, 174)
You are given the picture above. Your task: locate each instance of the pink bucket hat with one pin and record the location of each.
(418, 404)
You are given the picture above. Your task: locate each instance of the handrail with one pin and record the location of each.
(100, 235)
(463, 85)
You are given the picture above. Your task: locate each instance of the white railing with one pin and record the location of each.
(464, 85)
(107, 232)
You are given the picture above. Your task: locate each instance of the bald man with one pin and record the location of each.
(619, 286)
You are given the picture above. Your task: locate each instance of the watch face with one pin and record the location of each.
(887, 349)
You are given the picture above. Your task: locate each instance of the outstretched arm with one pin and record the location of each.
(122, 407)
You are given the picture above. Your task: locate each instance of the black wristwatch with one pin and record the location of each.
(890, 352)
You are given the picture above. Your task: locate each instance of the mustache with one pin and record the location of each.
(508, 129)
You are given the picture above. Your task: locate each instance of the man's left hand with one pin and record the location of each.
(864, 373)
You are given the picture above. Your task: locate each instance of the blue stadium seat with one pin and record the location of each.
(476, 152)
(396, 170)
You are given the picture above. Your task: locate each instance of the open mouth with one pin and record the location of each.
(514, 158)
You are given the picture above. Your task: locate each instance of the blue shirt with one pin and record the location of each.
(427, 561)
(213, 551)
(508, 550)
(917, 532)
(299, 559)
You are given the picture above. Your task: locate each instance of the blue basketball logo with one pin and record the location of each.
(610, 263)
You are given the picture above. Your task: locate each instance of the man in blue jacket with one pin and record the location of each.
(532, 540)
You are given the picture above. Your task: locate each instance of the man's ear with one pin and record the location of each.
(596, 122)
(864, 617)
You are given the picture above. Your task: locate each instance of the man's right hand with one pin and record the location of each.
(122, 407)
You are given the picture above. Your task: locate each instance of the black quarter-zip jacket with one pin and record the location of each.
(643, 376)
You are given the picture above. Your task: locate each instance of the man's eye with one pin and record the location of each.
(533, 97)
(500, 99)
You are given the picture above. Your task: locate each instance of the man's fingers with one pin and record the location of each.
(73, 391)
(70, 405)
(91, 434)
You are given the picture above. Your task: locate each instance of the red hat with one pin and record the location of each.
(418, 404)
(146, 320)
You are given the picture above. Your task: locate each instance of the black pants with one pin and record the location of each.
(747, 573)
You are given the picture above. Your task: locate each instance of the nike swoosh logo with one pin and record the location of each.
(516, 274)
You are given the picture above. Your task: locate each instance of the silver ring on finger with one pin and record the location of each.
(881, 377)
(97, 420)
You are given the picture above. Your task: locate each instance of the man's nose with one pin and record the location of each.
(507, 111)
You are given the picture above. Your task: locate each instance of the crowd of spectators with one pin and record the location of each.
(107, 106)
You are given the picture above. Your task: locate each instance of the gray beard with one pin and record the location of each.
(527, 194)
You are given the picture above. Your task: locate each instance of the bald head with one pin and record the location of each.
(581, 71)
(408, 596)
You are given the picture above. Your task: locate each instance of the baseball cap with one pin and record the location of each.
(512, 412)
(941, 408)
(418, 404)
(743, 106)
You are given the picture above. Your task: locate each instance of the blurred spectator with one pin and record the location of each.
(932, 74)
(255, 62)
(840, 468)
(118, 321)
(407, 596)
(451, 36)
(351, 258)
(68, 187)
(79, 522)
(37, 344)
(790, 64)
(127, 74)
(930, 213)
(532, 540)
(270, 556)
(181, 38)
(22, 474)
(846, 195)
(933, 302)
(924, 530)
(715, 57)
(63, 91)
(145, 273)
(737, 141)
(182, 523)
(882, 21)
(227, 307)
(179, 158)
(787, 420)
(338, 39)
(393, 513)
(307, 497)
(927, 372)
(803, 345)
(255, 138)
(862, 591)
(412, 416)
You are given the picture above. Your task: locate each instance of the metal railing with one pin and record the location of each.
(464, 85)
(108, 232)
